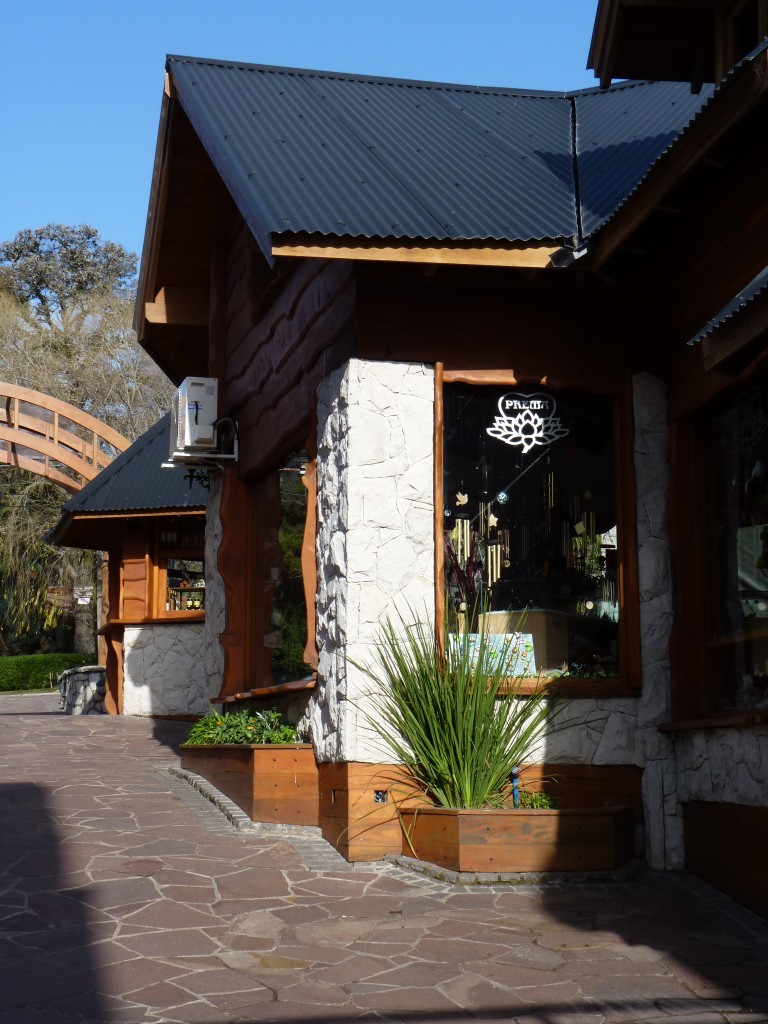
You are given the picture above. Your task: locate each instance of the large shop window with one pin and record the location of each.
(736, 447)
(530, 524)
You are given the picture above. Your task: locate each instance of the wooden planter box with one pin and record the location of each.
(593, 839)
(271, 782)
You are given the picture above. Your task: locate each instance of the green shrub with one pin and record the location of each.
(244, 726)
(34, 671)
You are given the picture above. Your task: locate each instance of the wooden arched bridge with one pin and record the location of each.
(53, 439)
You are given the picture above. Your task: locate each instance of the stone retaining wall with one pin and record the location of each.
(82, 690)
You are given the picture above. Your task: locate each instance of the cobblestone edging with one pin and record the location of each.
(82, 690)
(320, 855)
(485, 878)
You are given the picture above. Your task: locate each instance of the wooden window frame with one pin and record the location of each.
(159, 579)
(629, 682)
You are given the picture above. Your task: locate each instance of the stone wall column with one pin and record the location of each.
(375, 544)
(655, 750)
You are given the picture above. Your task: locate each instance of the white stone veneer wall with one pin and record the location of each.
(174, 668)
(163, 671)
(655, 750)
(728, 765)
(375, 535)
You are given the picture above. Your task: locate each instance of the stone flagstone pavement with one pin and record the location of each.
(125, 896)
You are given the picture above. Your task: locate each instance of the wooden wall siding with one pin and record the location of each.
(271, 783)
(587, 785)
(134, 577)
(727, 846)
(350, 818)
(576, 333)
(716, 252)
(511, 841)
(269, 370)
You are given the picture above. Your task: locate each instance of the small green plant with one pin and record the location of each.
(536, 801)
(243, 726)
(456, 718)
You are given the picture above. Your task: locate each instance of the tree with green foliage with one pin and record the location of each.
(52, 271)
(66, 307)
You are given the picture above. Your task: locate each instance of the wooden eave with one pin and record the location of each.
(489, 254)
(189, 209)
(97, 531)
(747, 89)
(661, 40)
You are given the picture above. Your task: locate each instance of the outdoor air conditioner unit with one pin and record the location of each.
(199, 436)
(194, 412)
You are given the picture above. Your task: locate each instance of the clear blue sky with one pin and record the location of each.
(81, 80)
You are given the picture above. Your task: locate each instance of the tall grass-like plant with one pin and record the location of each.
(454, 717)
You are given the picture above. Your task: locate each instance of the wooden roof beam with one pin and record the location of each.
(183, 307)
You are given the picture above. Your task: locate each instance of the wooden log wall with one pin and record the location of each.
(727, 846)
(273, 339)
(270, 354)
(478, 318)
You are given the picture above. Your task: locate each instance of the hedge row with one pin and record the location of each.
(34, 671)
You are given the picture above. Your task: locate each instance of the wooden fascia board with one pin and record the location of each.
(740, 96)
(308, 247)
(155, 215)
(148, 514)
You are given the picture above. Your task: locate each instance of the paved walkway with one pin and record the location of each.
(126, 897)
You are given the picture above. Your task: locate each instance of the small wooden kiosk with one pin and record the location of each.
(150, 522)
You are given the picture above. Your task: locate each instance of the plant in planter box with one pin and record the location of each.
(255, 758)
(454, 716)
(462, 719)
(244, 726)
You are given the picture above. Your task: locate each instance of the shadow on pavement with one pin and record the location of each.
(46, 930)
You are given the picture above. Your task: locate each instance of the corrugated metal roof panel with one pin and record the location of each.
(340, 155)
(360, 157)
(758, 284)
(136, 481)
(620, 134)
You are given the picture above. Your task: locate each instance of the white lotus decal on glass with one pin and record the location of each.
(526, 421)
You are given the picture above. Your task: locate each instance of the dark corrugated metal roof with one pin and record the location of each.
(620, 134)
(758, 284)
(136, 481)
(344, 155)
